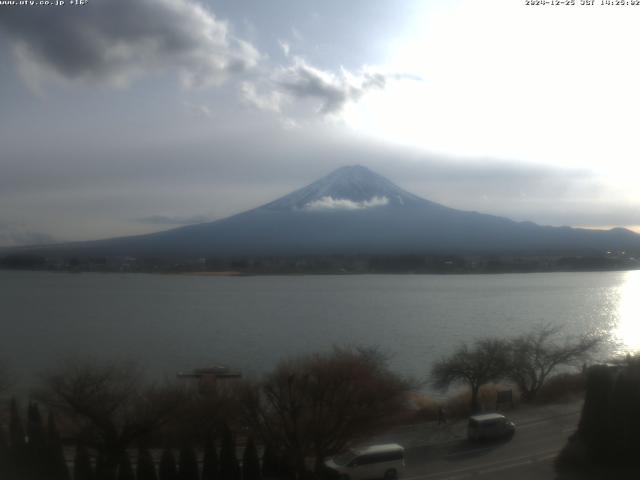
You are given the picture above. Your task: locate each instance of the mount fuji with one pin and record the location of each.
(356, 211)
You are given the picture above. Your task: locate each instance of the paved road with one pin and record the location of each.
(527, 456)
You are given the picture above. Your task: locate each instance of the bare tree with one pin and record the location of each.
(209, 410)
(317, 405)
(534, 356)
(485, 361)
(109, 403)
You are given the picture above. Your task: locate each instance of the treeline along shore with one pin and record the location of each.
(328, 264)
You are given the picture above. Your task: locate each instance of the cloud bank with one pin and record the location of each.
(330, 203)
(173, 220)
(300, 81)
(116, 42)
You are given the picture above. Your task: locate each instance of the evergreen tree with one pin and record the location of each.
(125, 471)
(287, 467)
(168, 469)
(270, 463)
(146, 469)
(229, 469)
(57, 462)
(5, 470)
(17, 443)
(36, 435)
(188, 463)
(210, 467)
(104, 469)
(16, 430)
(101, 465)
(36, 447)
(82, 469)
(250, 461)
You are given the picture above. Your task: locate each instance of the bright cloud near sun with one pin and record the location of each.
(503, 80)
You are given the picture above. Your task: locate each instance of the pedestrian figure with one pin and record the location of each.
(441, 417)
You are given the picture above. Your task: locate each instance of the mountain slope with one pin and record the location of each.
(355, 211)
(356, 184)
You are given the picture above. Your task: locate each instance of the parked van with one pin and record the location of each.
(489, 426)
(374, 462)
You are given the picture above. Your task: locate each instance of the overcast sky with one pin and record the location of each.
(122, 117)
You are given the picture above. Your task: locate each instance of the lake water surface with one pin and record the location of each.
(175, 322)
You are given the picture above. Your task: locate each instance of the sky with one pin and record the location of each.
(120, 117)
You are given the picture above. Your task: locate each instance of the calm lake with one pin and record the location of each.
(170, 322)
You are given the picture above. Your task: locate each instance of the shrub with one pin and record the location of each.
(426, 407)
(458, 405)
(562, 387)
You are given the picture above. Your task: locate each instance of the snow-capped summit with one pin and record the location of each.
(347, 188)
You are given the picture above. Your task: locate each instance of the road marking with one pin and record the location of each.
(489, 467)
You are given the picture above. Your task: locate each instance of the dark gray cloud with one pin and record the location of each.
(290, 90)
(328, 91)
(113, 41)
(332, 91)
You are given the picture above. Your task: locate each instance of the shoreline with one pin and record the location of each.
(238, 273)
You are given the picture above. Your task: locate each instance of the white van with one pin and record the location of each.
(377, 461)
(489, 426)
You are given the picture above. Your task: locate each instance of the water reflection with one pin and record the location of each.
(627, 332)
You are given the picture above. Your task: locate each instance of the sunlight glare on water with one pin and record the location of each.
(627, 333)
